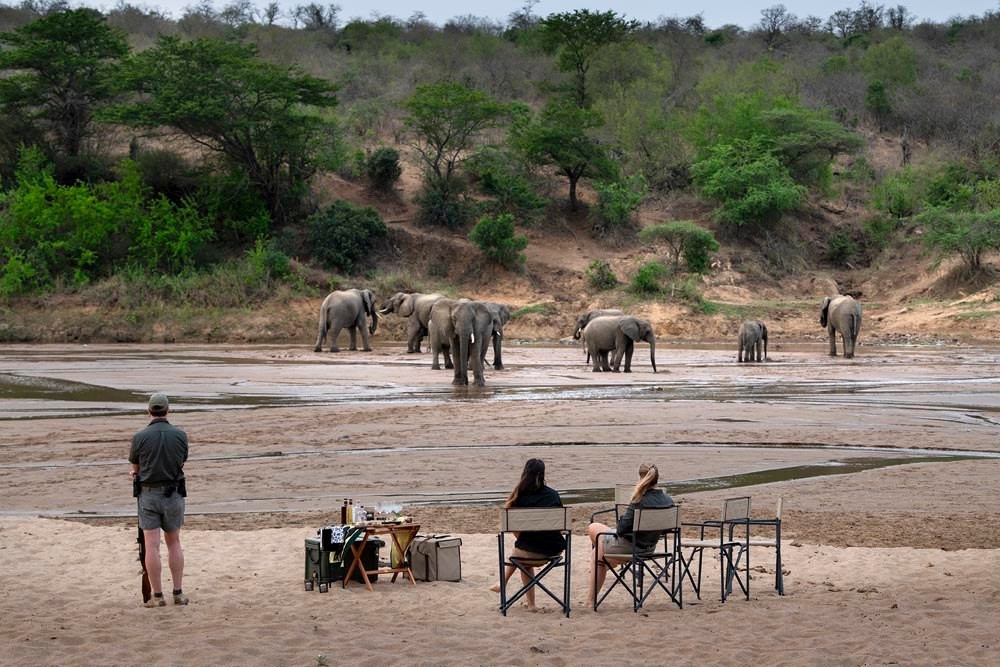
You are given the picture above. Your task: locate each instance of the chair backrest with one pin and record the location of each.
(623, 493)
(656, 519)
(532, 519)
(736, 509)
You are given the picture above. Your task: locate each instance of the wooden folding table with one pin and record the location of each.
(400, 536)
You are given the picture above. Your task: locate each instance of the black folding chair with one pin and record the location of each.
(733, 550)
(648, 570)
(756, 538)
(532, 519)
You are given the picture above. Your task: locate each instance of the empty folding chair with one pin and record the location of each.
(528, 519)
(758, 538)
(731, 542)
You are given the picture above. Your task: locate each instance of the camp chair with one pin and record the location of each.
(721, 535)
(532, 519)
(755, 539)
(623, 496)
(661, 564)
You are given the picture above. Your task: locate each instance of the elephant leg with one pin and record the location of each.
(365, 343)
(629, 350)
(413, 336)
(595, 360)
(334, 335)
(833, 342)
(758, 349)
(497, 354)
(848, 347)
(603, 358)
(352, 332)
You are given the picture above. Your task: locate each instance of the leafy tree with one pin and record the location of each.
(749, 182)
(59, 68)
(967, 233)
(803, 140)
(445, 120)
(618, 200)
(894, 62)
(222, 96)
(684, 239)
(383, 169)
(577, 37)
(495, 237)
(342, 234)
(559, 136)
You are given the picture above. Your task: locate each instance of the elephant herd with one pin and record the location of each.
(462, 330)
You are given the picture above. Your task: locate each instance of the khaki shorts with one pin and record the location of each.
(616, 544)
(158, 511)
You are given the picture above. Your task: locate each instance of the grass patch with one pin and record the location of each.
(546, 308)
(975, 315)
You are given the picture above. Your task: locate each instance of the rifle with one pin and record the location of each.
(147, 590)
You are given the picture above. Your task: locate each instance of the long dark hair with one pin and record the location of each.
(532, 479)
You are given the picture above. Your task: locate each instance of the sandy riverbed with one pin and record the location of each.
(890, 565)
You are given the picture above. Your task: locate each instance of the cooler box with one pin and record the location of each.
(436, 558)
(326, 565)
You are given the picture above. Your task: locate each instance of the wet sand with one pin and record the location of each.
(281, 435)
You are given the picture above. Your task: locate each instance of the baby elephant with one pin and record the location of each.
(753, 335)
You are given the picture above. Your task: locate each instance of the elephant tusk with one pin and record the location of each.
(472, 338)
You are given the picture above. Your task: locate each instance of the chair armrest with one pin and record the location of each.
(612, 509)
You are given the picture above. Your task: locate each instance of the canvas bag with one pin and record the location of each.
(436, 558)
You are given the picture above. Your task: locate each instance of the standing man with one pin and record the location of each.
(158, 454)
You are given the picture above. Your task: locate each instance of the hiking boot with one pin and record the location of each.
(155, 602)
(180, 599)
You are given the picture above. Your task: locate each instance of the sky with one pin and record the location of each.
(715, 14)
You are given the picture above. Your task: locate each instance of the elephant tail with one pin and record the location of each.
(855, 325)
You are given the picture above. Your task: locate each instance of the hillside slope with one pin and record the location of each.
(907, 298)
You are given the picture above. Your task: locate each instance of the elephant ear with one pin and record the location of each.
(630, 327)
(369, 300)
(407, 305)
(763, 331)
(824, 311)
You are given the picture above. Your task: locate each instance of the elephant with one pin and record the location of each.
(440, 331)
(417, 308)
(501, 314)
(752, 334)
(467, 326)
(841, 313)
(617, 333)
(347, 308)
(584, 320)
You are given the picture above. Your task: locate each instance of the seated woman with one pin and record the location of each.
(531, 491)
(645, 494)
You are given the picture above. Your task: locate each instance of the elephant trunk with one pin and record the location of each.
(374, 324)
(652, 352)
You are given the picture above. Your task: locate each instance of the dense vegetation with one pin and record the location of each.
(133, 145)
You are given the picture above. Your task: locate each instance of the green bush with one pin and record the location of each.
(600, 276)
(53, 233)
(383, 169)
(898, 195)
(342, 234)
(618, 200)
(749, 182)
(494, 236)
(684, 238)
(841, 248)
(968, 234)
(443, 204)
(502, 177)
(649, 279)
